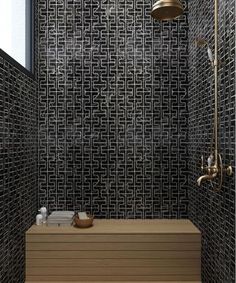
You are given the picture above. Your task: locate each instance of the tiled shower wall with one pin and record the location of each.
(113, 109)
(213, 212)
(18, 168)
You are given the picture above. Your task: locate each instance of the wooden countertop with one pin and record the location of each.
(121, 226)
(113, 282)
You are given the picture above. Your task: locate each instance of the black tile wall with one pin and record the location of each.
(113, 109)
(118, 133)
(18, 167)
(213, 213)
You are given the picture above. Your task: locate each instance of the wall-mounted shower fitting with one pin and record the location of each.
(165, 10)
(214, 169)
(201, 42)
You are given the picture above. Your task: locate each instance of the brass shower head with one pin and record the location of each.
(165, 10)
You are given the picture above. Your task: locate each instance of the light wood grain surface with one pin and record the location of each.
(115, 251)
(115, 282)
(113, 226)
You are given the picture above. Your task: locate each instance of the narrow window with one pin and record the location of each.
(16, 31)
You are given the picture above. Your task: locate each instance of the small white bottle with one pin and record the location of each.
(39, 219)
(43, 211)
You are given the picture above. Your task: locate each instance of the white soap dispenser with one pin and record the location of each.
(43, 211)
(39, 219)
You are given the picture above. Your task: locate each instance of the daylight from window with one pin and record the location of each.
(13, 29)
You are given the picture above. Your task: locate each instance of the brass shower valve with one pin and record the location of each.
(212, 170)
(216, 170)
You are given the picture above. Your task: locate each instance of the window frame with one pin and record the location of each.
(29, 47)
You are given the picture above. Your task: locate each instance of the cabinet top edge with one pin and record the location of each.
(121, 226)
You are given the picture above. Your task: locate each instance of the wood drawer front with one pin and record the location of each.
(113, 246)
(108, 262)
(112, 271)
(113, 238)
(113, 254)
(128, 279)
(113, 258)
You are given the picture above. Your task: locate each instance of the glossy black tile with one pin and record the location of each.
(112, 117)
(18, 167)
(213, 213)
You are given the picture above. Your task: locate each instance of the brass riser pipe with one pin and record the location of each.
(216, 63)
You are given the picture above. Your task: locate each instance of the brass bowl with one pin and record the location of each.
(83, 223)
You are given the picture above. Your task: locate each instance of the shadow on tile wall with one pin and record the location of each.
(213, 213)
(18, 168)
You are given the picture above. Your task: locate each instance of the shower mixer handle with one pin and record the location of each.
(211, 171)
(210, 160)
(214, 170)
(229, 170)
(209, 168)
(202, 162)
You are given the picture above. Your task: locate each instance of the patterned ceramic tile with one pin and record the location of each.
(118, 133)
(18, 168)
(113, 109)
(212, 212)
